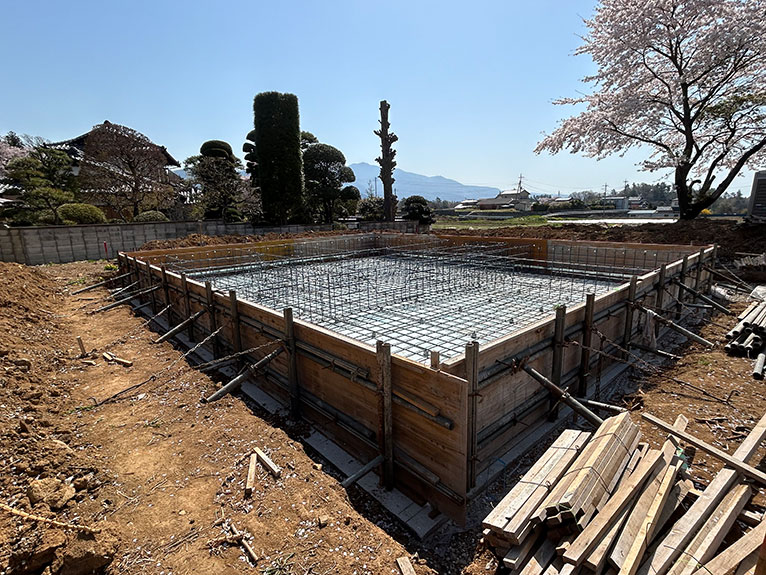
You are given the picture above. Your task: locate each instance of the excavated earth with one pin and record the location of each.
(161, 475)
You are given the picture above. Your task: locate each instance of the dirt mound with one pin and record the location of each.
(195, 240)
(731, 236)
(24, 286)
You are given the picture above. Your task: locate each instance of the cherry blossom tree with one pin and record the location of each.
(8, 153)
(685, 79)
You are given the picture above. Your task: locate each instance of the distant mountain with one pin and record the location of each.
(411, 184)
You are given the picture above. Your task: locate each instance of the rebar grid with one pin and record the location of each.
(419, 298)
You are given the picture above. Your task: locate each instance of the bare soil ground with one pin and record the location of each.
(156, 470)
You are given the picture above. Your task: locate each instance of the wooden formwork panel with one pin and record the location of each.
(438, 447)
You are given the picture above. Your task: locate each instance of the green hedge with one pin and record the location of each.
(151, 216)
(81, 214)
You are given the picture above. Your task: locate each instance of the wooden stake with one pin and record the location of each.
(587, 340)
(292, 363)
(558, 359)
(628, 332)
(211, 310)
(187, 305)
(434, 359)
(472, 374)
(83, 353)
(236, 330)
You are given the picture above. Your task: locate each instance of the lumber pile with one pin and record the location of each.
(746, 339)
(606, 503)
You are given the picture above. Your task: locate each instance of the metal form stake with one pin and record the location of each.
(385, 432)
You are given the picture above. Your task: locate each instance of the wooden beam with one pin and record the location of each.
(101, 283)
(235, 383)
(210, 299)
(292, 364)
(733, 462)
(166, 291)
(434, 359)
(707, 541)
(558, 359)
(647, 528)
(587, 340)
(385, 403)
(671, 546)
(472, 375)
(187, 305)
(733, 555)
(682, 281)
(595, 530)
(628, 330)
(236, 328)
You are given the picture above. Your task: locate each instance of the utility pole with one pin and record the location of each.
(386, 161)
(605, 188)
(518, 188)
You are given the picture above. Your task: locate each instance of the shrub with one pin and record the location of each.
(151, 216)
(417, 208)
(82, 214)
(370, 209)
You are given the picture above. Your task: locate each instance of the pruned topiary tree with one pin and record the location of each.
(277, 140)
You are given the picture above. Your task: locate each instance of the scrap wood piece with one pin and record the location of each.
(40, 519)
(243, 542)
(587, 541)
(405, 566)
(250, 483)
(273, 468)
(707, 541)
(686, 527)
(110, 357)
(734, 462)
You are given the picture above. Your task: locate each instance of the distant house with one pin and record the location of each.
(636, 203)
(616, 202)
(467, 204)
(75, 149)
(507, 200)
(131, 156)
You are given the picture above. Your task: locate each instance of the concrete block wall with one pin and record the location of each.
(60, 244)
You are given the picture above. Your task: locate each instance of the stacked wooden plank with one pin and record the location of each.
(624, 510)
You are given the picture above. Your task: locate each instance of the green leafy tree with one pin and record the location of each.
(215, 171)
(325, 172)
(370, 209)
(417, 208)
(277, 144)
(307, 139)
(46, 180)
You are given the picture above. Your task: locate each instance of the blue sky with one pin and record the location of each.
(470, 84)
